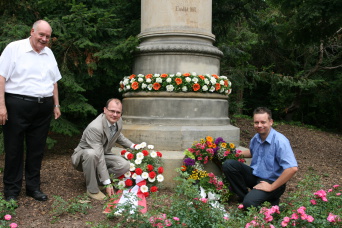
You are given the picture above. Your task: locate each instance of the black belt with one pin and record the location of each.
(29, 98)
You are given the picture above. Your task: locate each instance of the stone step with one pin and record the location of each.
(173, 160)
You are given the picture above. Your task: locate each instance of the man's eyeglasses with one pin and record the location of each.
(113, 112)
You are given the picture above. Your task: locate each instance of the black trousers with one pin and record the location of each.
(242, 181)
(29, 121)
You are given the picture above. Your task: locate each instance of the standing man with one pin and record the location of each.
(273, 164)
(93, 154)
(28, 97)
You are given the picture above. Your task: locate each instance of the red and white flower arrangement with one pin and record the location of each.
(146, 169)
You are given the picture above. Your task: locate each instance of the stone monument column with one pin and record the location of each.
(176, 37)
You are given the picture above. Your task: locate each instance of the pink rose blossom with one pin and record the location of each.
(13, 225)
(338, 194)
(335, 186)
(176, 218)
(294, 216)
(286, 219)
(310, 218)
(7, 217)
(240, 206)
(331, 217)
(283, 224)
(313, 202)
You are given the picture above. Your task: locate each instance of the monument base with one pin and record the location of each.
(177, 138)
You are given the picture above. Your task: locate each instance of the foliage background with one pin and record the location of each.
(282, 54)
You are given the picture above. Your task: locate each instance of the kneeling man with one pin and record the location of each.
(273, 164)
(93, 154)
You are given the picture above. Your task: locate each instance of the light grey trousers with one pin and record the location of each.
(116, 166)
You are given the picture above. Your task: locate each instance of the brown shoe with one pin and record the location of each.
(97, 196)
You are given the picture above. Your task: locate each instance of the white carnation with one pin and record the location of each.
(159, 80)
(184, 89)
(148, 80)
(138, 161)
(188, 79)
(179, 74)
(151, 147)
(150, 86)
(144, 188)
(131, 167)
(140, 80)
(160, 178)
(127, 174)
(170, 88)
(144, 175)
(205, 88)
(143, 86)
(168, 80)
(140, 156)
(153, 154)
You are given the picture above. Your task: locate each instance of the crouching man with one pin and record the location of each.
(93, 154)
(273, 164)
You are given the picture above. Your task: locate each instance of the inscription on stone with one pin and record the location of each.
(186, 9)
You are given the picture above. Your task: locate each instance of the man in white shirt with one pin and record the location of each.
(28, 97)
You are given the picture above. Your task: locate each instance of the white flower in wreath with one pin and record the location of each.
(149, 87)
(170, 88)
(132, 80)
(151, 180)
(126, 81)
(188, 79)
(179, 74)
(138, 161)
(206, 81)
(141, 75)
(193, 73)
(168, 80)
(120, 90)
(140, 156)
(223, 77)
(205, 88)
(143, 86)
(131, 166)
(144, 188)
(184, 88)
(143, 144)
(229, 83)
(148, 80)
(121, 183)
(140, 80)
(160, 178)
(212, 89)
(128, 87)
(195, 80)
(126, 154)
(213, 80)
(159, 80)
(134, 176)
(222, 90)
(153, 154)
(151, 147)
(144, 175)
(221, 82)
(156, 75)
(127, 174)
(171, 75)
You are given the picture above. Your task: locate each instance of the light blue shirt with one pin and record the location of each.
(271, 157)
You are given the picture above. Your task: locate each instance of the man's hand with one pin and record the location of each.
(264, 186)
(110, 190)
(3, 115)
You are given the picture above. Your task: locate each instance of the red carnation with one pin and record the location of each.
(154, 189)
(159, 154)
(146, 194)
(145, 152)
(130, 156)
(123, 152)
(138, 171)
(150, 167)
(121, 177)
(160, 170)
(152, 174)
(128, 182)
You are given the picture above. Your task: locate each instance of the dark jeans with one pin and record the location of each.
(29, 121)
(241, 179)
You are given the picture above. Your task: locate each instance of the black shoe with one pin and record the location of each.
(37, 195)
(9, 198)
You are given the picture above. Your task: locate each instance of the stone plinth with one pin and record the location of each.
(173, 121)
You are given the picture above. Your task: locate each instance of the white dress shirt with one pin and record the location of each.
(28, 72)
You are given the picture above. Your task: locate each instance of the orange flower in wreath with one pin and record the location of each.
(163, 76)
(209, 139)
(178, 81)
(135, 85)
(148, 76)
(196, 87)
(156, 86)
(217, 86)
(132, 76)
(226, 83)
(186, 74)
(215, 76)
(201, 77)
(183, 168)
